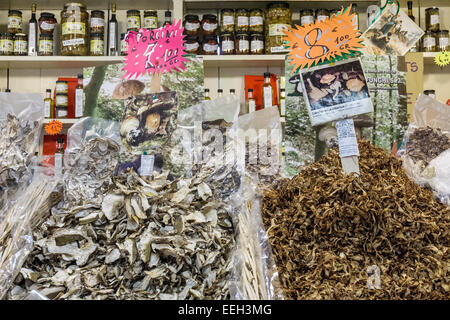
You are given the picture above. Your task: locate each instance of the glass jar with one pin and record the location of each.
(61, 87)
(242, 43)
(256, 21)
(209, 46)
(242, 20)
(6, 44)
(431, 93)
(150, 19)
(123, 44)
(429, 41)
(133, 20)
(191, 25)
(322, 14)
(442, 41)
(20, 44)
(209, 24)
(192, 45)
(227, 20)
(257, 43)
(97, 44)
(227, 43)
(432, 19)
(45, 45)
(97, 21)
(74, 23)
(47, 23)
(306, 17)
(278, 18)
(61, 103)
(14, 21)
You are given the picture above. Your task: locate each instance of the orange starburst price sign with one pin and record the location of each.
(329, 40)
(53, 127)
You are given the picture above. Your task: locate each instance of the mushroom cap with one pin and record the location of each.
(127, 89)
(363, 121)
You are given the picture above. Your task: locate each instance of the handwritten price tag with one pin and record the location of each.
(328, 40)
(155, 51)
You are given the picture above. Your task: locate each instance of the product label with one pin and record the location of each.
(209, 26)
(97, 46)
(191, 46)
(97, 22)
(58, 162)
(256, 46)
(434, 19)
(73, 42)
(14, 22)
(73, 28)
(61, 87)
(152, 23)
(227, 45)
(209, 47)
(243, 45)
(356, 21)
(251, 106)
(133, 22)
(112, 35)
(256, 21)
(147, 163)
(279, 49)
(6, 46)
(78, 103)
(321, 18)
(348, 146)
(242, 21)
(124, 47)
(267, 97)
(191, 26)
(282, 107)
(228, 20)
(306, 20)
(61, 113)
(46, 46)
(277, 29)
(47, 107)
(20, 46)
(61, 100)
(47, 26)
(429, 42)
(443, 42)
(32, 38)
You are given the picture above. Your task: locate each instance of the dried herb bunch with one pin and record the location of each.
(326, 229)
(425, 144)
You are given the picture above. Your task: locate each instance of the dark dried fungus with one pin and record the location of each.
(425, 144)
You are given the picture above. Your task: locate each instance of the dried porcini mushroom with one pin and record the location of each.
(127, 89)
(425, 144)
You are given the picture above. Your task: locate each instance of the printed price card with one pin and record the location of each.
(348, 145)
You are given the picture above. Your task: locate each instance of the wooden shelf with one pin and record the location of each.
(65, 122)
(59, 62)
(241, 61)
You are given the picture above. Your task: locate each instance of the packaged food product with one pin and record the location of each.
(242, 20)
(6, 44)
(227, 20)
(209, 46)
(257, 43)
(97, 45)
(151, 19)
(242, 43)
(20, 44)
(14, 21)
(278, 18)
(442, 40)
(47, 23)
(227, 43)
(61, 87)
(97, 21)
(133, 20)
(256, 21)
(192, 45)
(322, 14)
(432, 19)
(61, 105)
(306, 17)
(74, 23)
(191, 25)
(209, 24)
(45, 45)
(429, 41)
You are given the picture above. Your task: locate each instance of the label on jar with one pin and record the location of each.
(147, 164)
(152, 23)
(78, 103)
(443, 41)
(20, 46)
(243, 45)
(133, 22)
(58, 163)
(45, 46)
(277, 29)
(73, 42)
(209, 26)
(47, 26)
(73, 28)
(209, 48)
(267, 96)
(434, 19)
(47, 107)
(97, 46)
(306, 20)
(256, 46)
(124, 47)
(61, 100)
(227, 20)
(251, 106)
(189, 26)
(97, 22)
(279, 49)
(321, 18)
(61, 112)
(14, 22)
(242, 21)
(191, 46)
(6, 46)
(429, 42)
(256, 21)
(282, 107)
(227, 45)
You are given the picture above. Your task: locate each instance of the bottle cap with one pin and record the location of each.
(266, 74)
(219, 90)
(250, 90)
(60, 140)
(48, 90)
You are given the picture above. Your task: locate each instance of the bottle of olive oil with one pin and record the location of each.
(32, 32)
(207, 97)
(250, 105)
(48, 105)
(79, 97)
(267, 91)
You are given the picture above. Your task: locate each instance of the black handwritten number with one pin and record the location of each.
(148, 53)
(340, 39)
(170, 54)
(318, 36)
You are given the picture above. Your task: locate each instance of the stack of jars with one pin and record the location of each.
(435, 39)
(13, 42)
(47, 23)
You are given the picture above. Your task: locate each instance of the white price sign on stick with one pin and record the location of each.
(348, 145)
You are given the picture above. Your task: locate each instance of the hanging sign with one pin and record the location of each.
(53, 127)
(332, 39)
(442, 59)
(155, 51)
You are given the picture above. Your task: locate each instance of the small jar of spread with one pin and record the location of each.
(192, 45)
(47, 23)
(227, 20)
(242, 43)
(429, 41)
(97, 21)
(97, 44)
(209, 24)
(442, 41)
(61, 87)
(242, 20)
(256, 21)
(123, 44)
(306, 17)
(133, 20)
(257, 43)
(14, 21)
(322, 14)
(20, 44)
(45, 45)
(226, 43)
(150, 19)
(191, 25)
(432, 19)
(6, 44)
(209, 46)
(61, 103)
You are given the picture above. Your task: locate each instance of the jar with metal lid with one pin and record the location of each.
(6, 44)
(61, 87)
(278, 19)
(74, 24)
(322, 14)
(209, 46)
(334, 12)
(191, 25)
(123, 44)
(432, 19)
(429, 41)
(257, 43)
(20, 44)
(14, 21)
(242, 20)
(256, 20)
(209, 24)
(442, 40)
(306, 17)
(242, 43)
(45, 45)
(61, 103)
(227, 43)
(97, 45)
(227, 20)
(192, 45)
(47, 23)
(150, 19)
(133, 20)
(97, 21)
(431, 93)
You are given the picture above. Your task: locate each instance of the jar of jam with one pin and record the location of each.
(256, 21)
(45, 45)
(133, 20)
(242, 43)
(61, 87)
(150, 19)
(226, 43)
(209, 46)
(123, 44)
(429, 41)
(191, 25)
(97, 44)
(442, 41)
(192, 45)
(227, 20)
(257, 43)
(14, 21)
(20, 44)
(97, 21)
(322, 14)
(47, 23)
(432, 19)
(209, 24)
(242, 20)
(6, 44)
(306, 17)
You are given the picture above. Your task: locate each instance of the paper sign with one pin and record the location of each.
(331, 39)
(53, 127)
(147, 162)
(442, 59)
(155, 51)
(348, 145)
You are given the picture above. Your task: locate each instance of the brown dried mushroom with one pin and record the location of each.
(127, 89)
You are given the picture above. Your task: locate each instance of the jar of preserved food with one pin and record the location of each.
(209, 24)
(97, 21)
(306, 17)
(61, 103)
(227, 20)
(133, 20)
(334, 12)
(47, 23)
(432, 19)
(97, 44)
(429, 41)
(14, 21)
(74, 22)
(123, 44)
(209, 46)
(61, 87)
(242, 20)
(256, 21)
(431, 93)
(257, 43)
(20, 44)
(442, 41)
(150, 19)
(242, 43)
(192, 45)
(322, 14)
(191, 25)
(45, 45)
(227, 43)
(278, 18)
(6, 44)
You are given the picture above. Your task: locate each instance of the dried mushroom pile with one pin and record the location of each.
(425, 144)
(326, 229)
